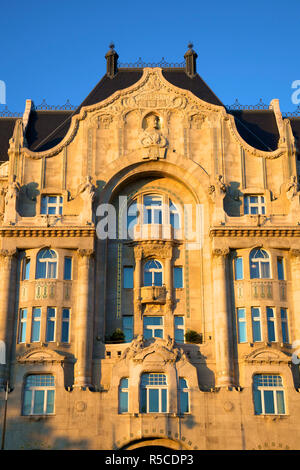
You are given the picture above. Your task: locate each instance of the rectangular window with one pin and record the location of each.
(179, 329)
(268, 394)
(153, 327)
(256, 324)
(39, 395)
(128, 277)
(51, 205)
(128, 328)
(271, 324)
(254, 205)
(153, 393)
(22, 325)
(25, 269)
(65, 327)
(178, 277)
(152, 209)
(280, 268)
(67, 268)
(51, 323)
(284, 325)
(36, 325)
(238, 268)
(123, 396)
(242, 325)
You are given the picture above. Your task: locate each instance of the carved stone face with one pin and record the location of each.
(152, 122)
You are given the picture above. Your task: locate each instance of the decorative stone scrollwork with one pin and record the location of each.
(140, 349)
(85, 253)
(157, 250)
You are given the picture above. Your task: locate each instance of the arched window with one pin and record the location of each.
(153, 273)
(184, 402)
(46, 264)
(154, 393)
(123, 395)
(259, 264)
(39, 394)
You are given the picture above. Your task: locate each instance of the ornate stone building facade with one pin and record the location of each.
(204, 284)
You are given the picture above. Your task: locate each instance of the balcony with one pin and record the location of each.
(156, 232)
(153, 294)
(261, 289)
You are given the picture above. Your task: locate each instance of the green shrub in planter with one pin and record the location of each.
(117, 335)
(192, 336)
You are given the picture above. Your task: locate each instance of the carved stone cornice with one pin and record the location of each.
(36, 232)
(42, 355)
(255, 232)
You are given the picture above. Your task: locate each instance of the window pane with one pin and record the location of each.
(269, 402)
(163, 400)
(153, 400)
(257, 402)
(128, 277)
(143, 400)
(38, 406)
(178, 320)
(147, 334)
(148, 279)
(242, 332)
(184, 402)
(65, 332)
(280, 402)
(68, 269)
(238, 268)
(179, 336)
(123, 402)
(157, 279)
(128, 328)
(271, 324)
(158, 333)
(280, 269)
(50, 401)
(254, 270)
(27, 402)
(153, 321)
(40, 270)
(265, 269)
(178, 278)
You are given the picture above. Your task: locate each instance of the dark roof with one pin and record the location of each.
(7, 125)
(46, 129)
(257, 127)
(295, 124)
(196, 85)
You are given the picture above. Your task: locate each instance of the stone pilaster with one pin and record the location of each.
(7, 307)
(84, 319)
(221, 320)
(295, 272)
(137, 282)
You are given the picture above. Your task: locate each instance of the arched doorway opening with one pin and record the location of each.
(154, 444)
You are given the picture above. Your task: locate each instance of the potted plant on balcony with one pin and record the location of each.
(117, 336)
(192, 336)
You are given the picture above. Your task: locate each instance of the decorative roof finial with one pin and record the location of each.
(190, 60)
(111, 61)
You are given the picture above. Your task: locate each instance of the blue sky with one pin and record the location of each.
(54, 50)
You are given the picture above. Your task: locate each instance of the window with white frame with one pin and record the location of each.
(51, 324)
(153, 327)
(154, 393)
(238, 268)
(256, 324)
(25, 268)
(259, 264)
(152, 208)
(254, 204)
(268, 394)
(153, 273)
(46, 264)
(179, 328)
(124, 395)
(242, 325)
(39, 393)
(184, 396)
(52, 205)
(271, 324)
(36, 325)
(65, 327)
(284, 325)
(22, 325)
(68, 268)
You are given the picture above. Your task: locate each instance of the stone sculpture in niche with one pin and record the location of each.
(10, 215)
(152, 139)
(86, 191)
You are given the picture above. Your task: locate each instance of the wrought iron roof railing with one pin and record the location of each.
(43, 106)
(5, 112)
(141, 64)
(238, 106)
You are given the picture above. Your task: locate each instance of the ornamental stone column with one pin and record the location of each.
(7, 310)
(295, 272)
(84, 319)
(221, 320)
(137, 282)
